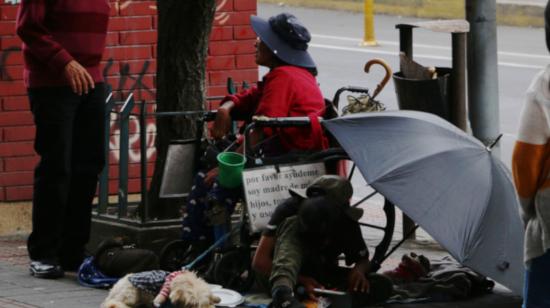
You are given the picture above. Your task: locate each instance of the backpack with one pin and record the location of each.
(115, 259)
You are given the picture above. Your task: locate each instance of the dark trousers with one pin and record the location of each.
(208, 210)
(537, 283)
(69, 141)
(292, 258)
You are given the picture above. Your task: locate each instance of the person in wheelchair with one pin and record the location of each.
(303, 240)
(289, 89)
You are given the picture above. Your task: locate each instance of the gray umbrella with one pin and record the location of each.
(446, 181)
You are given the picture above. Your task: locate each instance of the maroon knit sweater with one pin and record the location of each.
(54, 32)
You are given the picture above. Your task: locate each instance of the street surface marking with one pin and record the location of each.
(425, 56)
(393, 43)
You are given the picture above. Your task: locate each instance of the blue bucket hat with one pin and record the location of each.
(286, 37)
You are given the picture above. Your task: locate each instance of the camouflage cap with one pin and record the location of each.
(334, 187)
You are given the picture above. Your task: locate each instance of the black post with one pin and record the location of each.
(144, 209)
(123, 155)
(406, 46)
(458, 80)
(103, 196)
(406, 40)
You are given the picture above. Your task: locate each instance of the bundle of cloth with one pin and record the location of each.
(417, 279)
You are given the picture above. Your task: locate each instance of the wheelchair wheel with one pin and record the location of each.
(233, 271)
(174, 255)
(179, 253)
(388, 229)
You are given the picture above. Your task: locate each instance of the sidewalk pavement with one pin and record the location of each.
(18, 289)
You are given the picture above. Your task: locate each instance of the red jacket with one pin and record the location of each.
(286, 91)
(54, 32)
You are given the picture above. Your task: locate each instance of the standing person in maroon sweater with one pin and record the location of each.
(63, 42)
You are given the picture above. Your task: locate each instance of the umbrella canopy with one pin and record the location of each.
(446, 181)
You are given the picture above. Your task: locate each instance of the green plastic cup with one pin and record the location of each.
(231, 167)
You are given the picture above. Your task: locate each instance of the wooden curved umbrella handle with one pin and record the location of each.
(384, 81)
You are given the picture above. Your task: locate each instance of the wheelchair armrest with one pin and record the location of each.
(262, 121)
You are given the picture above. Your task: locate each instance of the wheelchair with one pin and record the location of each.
(229, 265)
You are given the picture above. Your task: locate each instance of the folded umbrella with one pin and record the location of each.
(446, 181)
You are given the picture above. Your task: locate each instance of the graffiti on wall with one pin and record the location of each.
(134, 154)
(134, 84)
(4, 56)
(221, 17)
(126, 77)
(137, 84)
(131, 82)
(127, 82)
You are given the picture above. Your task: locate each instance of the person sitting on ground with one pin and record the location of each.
(289, 89)
(307, 244)
(335, 187)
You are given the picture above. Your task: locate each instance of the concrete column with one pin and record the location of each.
(483, 70)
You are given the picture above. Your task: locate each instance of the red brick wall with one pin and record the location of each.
(129, 63)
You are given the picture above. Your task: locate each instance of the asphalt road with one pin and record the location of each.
(340, 58)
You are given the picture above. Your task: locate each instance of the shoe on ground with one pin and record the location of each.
(46, 269)
(284, 298)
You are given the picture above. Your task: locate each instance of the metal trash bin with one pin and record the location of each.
(428, 95)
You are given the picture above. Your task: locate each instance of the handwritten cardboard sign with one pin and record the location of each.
(267, 187)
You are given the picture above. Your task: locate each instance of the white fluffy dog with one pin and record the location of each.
(184, 289)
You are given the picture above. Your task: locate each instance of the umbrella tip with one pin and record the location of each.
(492, 145)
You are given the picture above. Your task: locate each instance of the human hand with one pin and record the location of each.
(309, 285)
(79, 78)
(222, 123)
(211, 176)
(357, 281)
